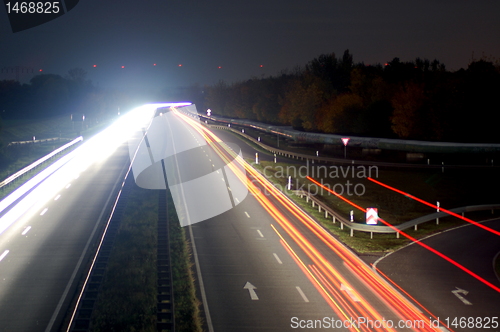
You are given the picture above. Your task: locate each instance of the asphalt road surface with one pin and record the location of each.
(47, 248)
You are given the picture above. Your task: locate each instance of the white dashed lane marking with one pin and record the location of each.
(302, 294)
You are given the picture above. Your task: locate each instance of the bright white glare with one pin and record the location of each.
(55, 177)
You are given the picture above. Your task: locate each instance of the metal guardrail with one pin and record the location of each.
(308, 157)
(364, 142)
(386, 229)
(34, 141)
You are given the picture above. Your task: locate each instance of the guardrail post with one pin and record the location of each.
(341, 225)
(371, 235)
(415, 227)
(319, 208)
(333, 219)
(397, 235)
(307, 198)
(326, 214)
(313, 203)
(352, 232)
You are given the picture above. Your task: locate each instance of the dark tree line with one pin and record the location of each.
(412, 100)
(49, 95)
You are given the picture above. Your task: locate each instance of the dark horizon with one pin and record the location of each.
(242, 37)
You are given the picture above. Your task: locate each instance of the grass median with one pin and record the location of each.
(128, 297)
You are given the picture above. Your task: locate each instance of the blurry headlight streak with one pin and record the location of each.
(463, 268)
(324, 276)
(48, 182)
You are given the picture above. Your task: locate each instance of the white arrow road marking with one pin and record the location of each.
(251, 289)
(349, 292)
(460, 297)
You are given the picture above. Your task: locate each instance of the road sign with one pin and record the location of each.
(371, 216)
(345, 141)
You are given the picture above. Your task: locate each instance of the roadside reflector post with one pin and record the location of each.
(258, 138)
(415, 227)
(442, 167)
(437, 219)
(275, 158)
(256, 158)
(290, 183)
(351, 216)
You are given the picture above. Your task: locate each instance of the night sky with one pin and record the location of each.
(240, 36)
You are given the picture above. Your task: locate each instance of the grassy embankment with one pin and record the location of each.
(127, 300)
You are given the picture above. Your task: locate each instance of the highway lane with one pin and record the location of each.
(431, 280)
(232, 250)
(239, 248)
(46, 245)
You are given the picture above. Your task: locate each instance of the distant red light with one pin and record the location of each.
(95, 66)
(261, 66)
(219, 67)
(123, 67)
(154, 64)
(40, 70)
(180, 65)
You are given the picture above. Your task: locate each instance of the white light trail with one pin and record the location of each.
(51, 180)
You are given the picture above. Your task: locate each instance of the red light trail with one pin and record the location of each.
(326, 277)
(463, 268)
(435, 206)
